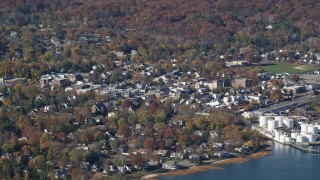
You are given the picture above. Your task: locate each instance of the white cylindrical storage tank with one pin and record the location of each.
(304, 128)
(263, 121)
(285, 123)
(288, 139)
(294, 135)
(299, 138)
(271, 125)
(282, 138)
(280, 120)
(277, 135)
(277, 124)
(279, 117)
(288, 123)
(317, 125)
(312, 129)
(311, 137)
(280, 123)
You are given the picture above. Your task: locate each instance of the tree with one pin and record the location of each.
(50, 154)
(7, 168)
(136, 159)
(233, 133)
(295, 77)
(41, 166)
(5, 123)
(143, 116)
(85, 137)
(133, 119)
(160, 116)
(149, 143)
(78, 173)
(123, 129)
(317, 109)
(168, 133)
(114, 144)
(127, 103)
(120, 160)
(184, 138)
(275, 95)
(92, 157)
(253, 75)
(78, 155)
(252, 105)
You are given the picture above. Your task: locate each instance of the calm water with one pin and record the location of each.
(285, 163)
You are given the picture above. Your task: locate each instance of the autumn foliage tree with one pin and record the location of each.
(123, 129)
(276, 95)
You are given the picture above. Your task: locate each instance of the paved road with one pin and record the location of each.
(289, 104)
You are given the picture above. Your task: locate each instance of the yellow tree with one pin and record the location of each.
(123, 128)
(275, 95)
(233, 133)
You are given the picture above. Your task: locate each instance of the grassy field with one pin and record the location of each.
(287, 68)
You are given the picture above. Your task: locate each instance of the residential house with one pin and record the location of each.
(243, 149)
(153, 162)
(61, 82)
(124, 169)
(99, 109)
(85, 165)
(213, 134)
(74, 77)
(177, 155)
(217, 146)
(189, 150)
(60, 174)
(94, 168)
(139, 151)
(160, 152)
(17, 55)
(14, 34)
(198, 132)
(256, 98)
(222, 154)
(170, 165)
(194, 158)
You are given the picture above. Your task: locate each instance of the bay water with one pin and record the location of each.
(283, 163)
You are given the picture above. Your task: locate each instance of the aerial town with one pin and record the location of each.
(136, 112)
(81, 99)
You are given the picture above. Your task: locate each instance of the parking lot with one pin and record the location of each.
(310, 78)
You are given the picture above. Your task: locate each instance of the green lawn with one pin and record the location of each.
(287, 68)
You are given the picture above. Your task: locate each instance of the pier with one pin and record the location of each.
(306, 149)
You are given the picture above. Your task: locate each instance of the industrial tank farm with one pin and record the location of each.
(282, 129)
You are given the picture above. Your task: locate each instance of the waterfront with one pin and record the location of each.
(285, 162)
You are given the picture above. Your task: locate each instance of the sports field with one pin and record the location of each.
(288, 68)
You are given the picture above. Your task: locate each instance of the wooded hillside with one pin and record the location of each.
(220, 23)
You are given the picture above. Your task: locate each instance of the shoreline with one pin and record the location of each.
(216, 165)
